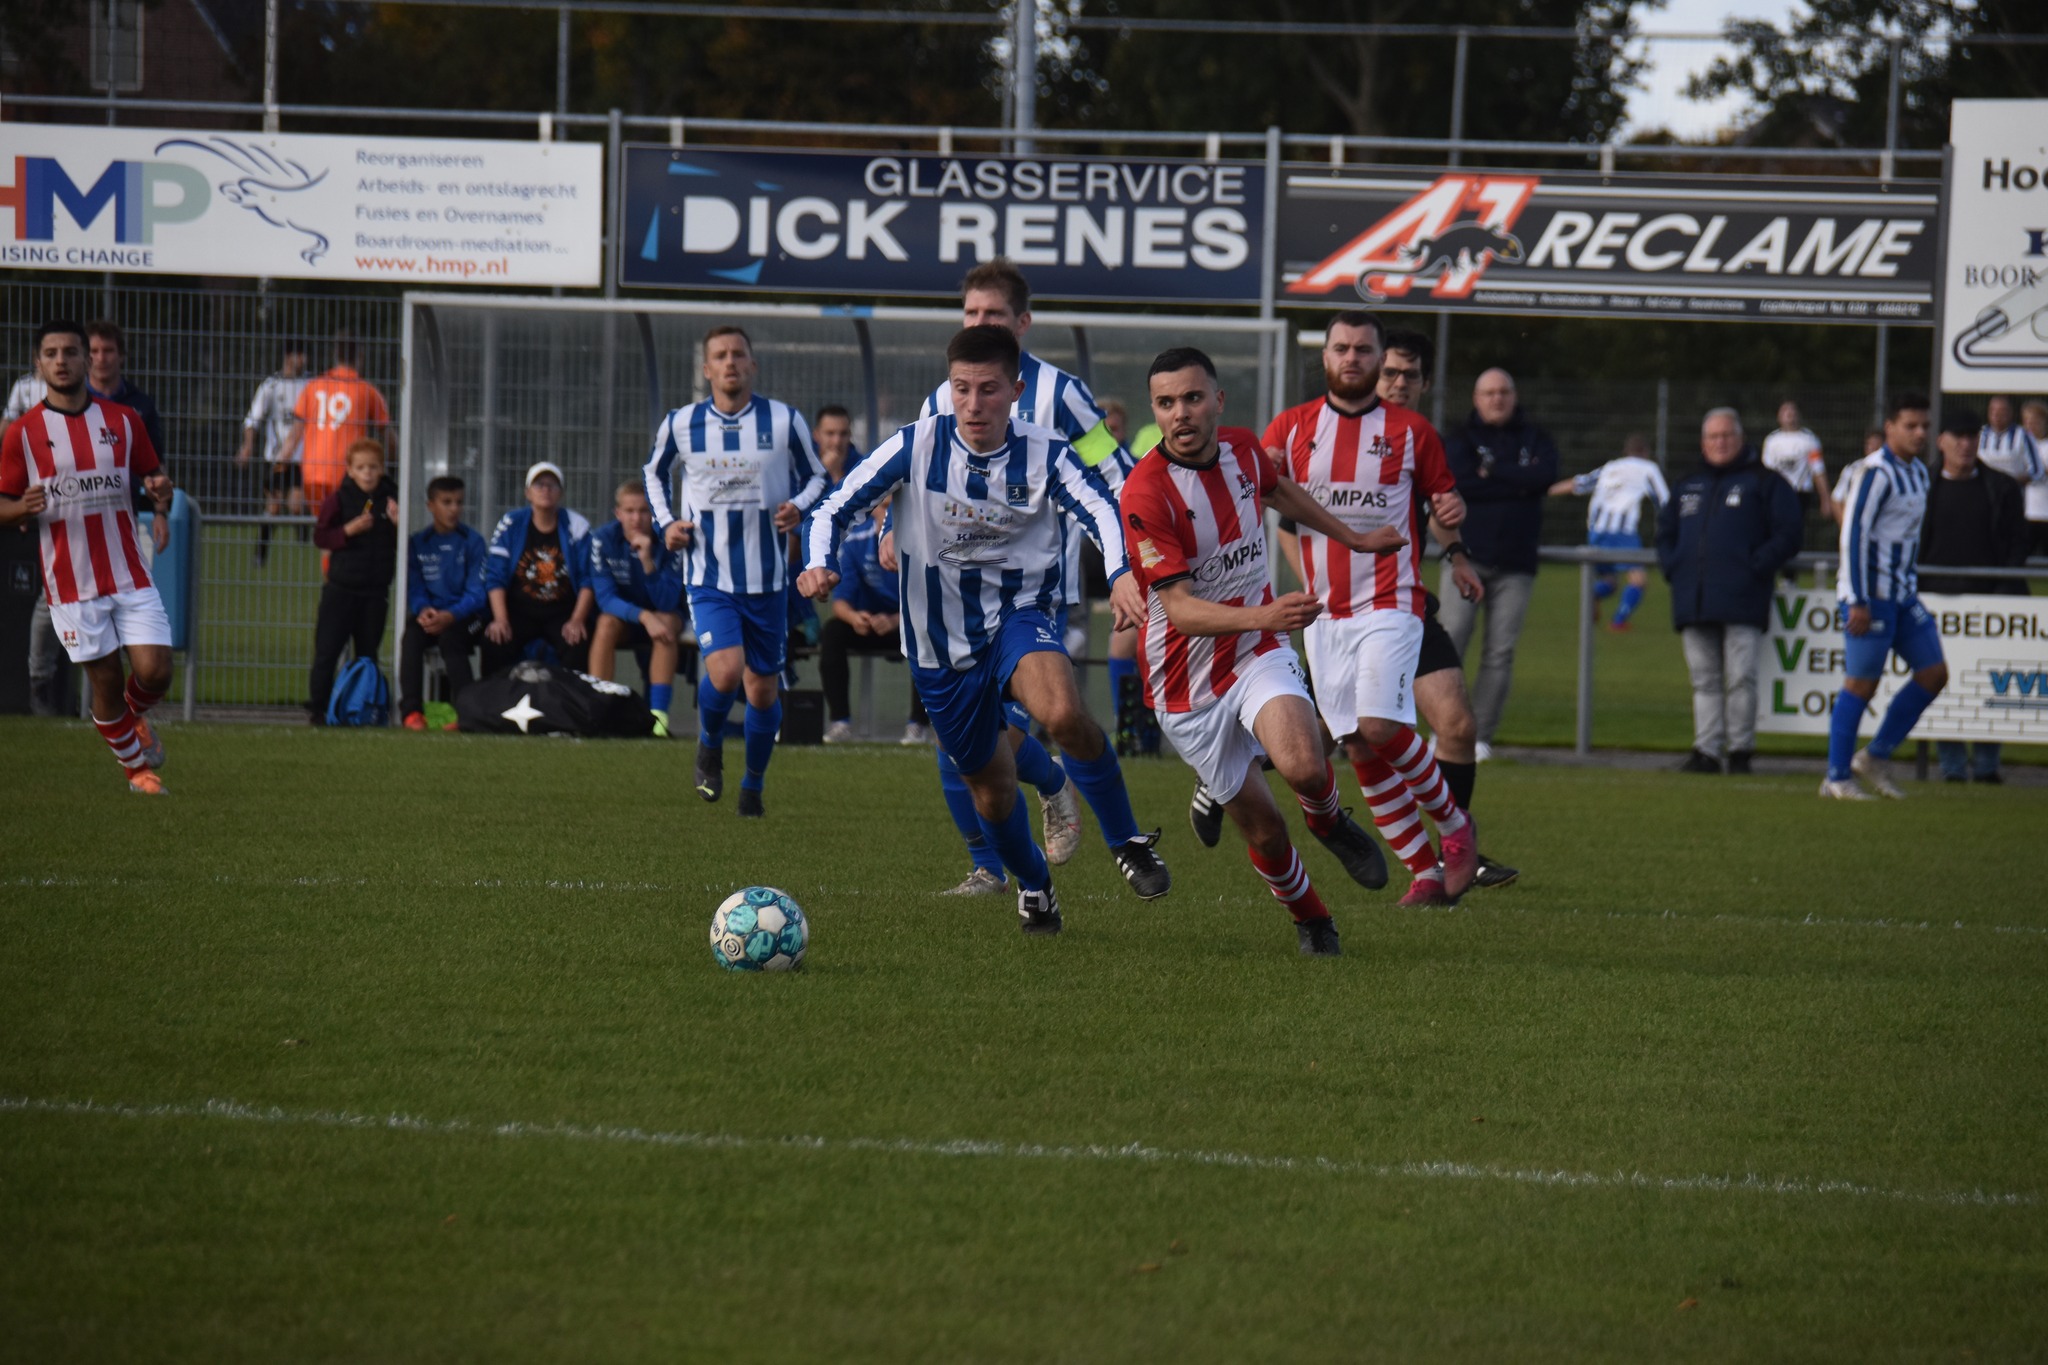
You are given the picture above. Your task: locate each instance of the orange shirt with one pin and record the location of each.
(335, 411)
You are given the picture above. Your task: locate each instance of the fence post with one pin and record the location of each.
(1582, 741)
(1663, 422)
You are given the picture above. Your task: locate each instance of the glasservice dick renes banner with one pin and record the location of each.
(906, 223)
(1583, 245)
(155, 201)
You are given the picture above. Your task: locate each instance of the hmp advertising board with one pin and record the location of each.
(905, 223)
(1997, 652)
(1579, 245)
(1994, 303)
(299, 206)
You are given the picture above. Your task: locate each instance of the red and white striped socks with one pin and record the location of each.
(1407, 755)
(1288, 880)
(122, 738)
(140, 698)
(1321, 809)
(1394, 811)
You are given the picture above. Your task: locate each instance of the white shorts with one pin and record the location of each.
(1364, 666)
(1217, 741)
(98, 626)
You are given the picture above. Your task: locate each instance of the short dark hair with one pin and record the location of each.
(831, 410)
(1358, 317)
(1002, 275)
(728, 329)
(60, 326)
(111, 330)
(294, 346)
(1411, 342)
(446, 483)
(1902, 402)
(1180, 358)
(987, 344)
(346, 350)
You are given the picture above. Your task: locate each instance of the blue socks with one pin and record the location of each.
(1036, 767)
(713, 706)
(1848, 714)
(960, 805)
(761, 726)
(1907, 704)
(1101, 782)
(1631, 598)
(1119, 669)
(1011, 837)
(1603, 588)
(659, 695)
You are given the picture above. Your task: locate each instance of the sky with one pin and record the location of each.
(1662, 102)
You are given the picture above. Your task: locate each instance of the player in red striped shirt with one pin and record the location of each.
(1376, 465)
(70, 463)
(1212, 648)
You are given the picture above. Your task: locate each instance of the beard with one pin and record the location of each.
(1351, 393)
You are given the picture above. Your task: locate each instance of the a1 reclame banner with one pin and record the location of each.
(155, 201)
(1997, 653)
(905, 223)
(1580, 245)
(1994, 306)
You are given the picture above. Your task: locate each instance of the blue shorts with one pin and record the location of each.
(756, 621)
(966, 705)
(1906, 629)
(1614, 540)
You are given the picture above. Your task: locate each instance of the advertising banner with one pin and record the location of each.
(1997, 651)
(1994, 299)
(153, 201)
(906, 223)
(1613, 246)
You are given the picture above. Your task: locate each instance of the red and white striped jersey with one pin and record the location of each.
(1206, 526)
(1365, 468)
(86, 464)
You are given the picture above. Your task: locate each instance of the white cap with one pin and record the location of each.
(534, 471)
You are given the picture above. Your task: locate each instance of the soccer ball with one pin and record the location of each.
(759, 929)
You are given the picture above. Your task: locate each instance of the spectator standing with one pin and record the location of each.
(638, 584)
(535, 580)
(334, 411)
(1505, 465)
(2034, 417)
(1731, 525)
(1793, 454)
(358, 527)
(445, 601)
(272, 414)
(866, 613)
(2012, 450)
(1975, 516)
(26, 393)
(1618, 489)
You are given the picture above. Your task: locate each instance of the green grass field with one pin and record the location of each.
(382, 1047)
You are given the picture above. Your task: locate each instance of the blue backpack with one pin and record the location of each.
(361, 696)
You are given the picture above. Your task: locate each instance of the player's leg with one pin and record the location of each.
(1863, 660)
(89, 635)
(604, 646)
(1631, 598)
(1276, 709)
(1041, 677)
(986, 874)
(273, 504)
(1257, 816)
(720, 643)
(1443, 702)
(144, 630)
(663, 656)
(1058, 800)
(967, 714)
(1917, 640)
(764, 619)
(1389, 644)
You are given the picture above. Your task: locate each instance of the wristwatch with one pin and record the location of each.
(1456, 547)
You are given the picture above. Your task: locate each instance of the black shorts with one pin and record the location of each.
(281, 476)
(1437, 652)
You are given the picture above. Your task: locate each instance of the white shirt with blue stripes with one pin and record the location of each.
(735, 470)
(1059, 402)
(1619, 488)
(1881, 530)
(2012, 452)
(978, 537)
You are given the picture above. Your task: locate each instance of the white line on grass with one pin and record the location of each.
(1748, 1182)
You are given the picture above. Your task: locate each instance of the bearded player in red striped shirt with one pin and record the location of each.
(1212, 646)
(70, 462)
(1375, 466)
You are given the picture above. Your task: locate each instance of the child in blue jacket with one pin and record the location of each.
(639, 587)
(444, 598)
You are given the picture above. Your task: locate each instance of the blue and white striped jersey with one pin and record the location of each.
(977, 536)
(1881, 530)
(2012, 452)
(736, 469)
(1618, 489)
(1059, 402)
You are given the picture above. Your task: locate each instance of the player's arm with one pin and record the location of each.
(655, 475)
(803, 457)
(1086, 427)
(610, 602)
(258, 411)
(1578, 486)
(1195, 615)
(867, 483)
(1081, 492)
(1862, 517)
(1463, 577)
(18, 501)
(1293, 502)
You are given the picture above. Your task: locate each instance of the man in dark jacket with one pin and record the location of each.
(1730, 526)
(1504, 464)
(1975, 515)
